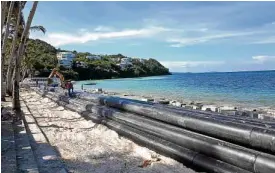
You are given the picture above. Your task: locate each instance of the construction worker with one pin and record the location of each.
(72, 86)
(67, 86)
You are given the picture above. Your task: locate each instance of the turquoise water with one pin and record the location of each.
(251, 88)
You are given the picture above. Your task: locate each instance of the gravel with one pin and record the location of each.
(88, 147)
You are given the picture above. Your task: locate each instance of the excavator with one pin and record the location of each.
(55, 72)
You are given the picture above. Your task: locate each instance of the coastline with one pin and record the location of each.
(241, 89)
(118, 78)
(243, 109)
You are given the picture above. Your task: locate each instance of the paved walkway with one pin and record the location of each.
(8, 153)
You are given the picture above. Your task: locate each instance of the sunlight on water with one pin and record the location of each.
(240, 87)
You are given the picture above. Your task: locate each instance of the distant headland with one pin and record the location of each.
(42, 57)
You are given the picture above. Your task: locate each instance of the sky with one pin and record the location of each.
(183, 36)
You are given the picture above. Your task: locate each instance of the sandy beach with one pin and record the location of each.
(88, 147)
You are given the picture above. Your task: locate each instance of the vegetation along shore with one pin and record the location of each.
(41, 57)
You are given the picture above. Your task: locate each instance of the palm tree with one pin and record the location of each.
(4, 43)
(16, 31)
(13, 51)
(16, 74)
(11, 60)
(4, 8)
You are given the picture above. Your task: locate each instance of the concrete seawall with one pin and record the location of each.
(213, 142)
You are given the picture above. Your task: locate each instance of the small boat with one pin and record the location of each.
(90, 84)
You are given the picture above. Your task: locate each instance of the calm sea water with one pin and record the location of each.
(249, 88)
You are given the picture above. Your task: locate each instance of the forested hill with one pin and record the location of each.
(41, 57)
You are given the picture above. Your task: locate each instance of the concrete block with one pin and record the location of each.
(98, 90)
(147, 99)
(178, 104)
(188, 106)
(226, 108)
(212, 108)
(195, 107)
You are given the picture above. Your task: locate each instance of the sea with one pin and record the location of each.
(253, 88)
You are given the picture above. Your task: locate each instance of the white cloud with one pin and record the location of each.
(185, 41)
(263, 58)
(255, 63)
(82, 30)
(190, 64)
(268, 40)
(103, 28)
(203, 29)
(58, 39)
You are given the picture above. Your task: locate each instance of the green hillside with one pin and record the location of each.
(41, 58)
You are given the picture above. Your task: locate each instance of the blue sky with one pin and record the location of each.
(183, 36)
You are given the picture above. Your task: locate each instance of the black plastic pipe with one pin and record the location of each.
(240, 119)
(261, 123)
(186, 156)
(221, 150)
(230, 131)
(96, 98)
(248, 121)
(230, 153)
(234, 132)
(75, 106)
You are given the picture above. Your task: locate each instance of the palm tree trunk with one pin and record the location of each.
(3, 13)
(13, 52)
(4, 43)
(16, 76)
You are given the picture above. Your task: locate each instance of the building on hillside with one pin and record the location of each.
(65, 59)
(126, 60)
(116, 60)
(141, 60)
(81, 64)
(125, 63)
(93, 57)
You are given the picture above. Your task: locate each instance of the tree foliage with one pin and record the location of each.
(41, 58)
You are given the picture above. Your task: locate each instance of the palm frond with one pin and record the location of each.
(38, 28)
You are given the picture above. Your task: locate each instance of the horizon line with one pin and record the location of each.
(228, 71)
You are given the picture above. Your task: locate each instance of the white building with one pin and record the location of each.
(81, 64)
(141, 60)
(116, 60)
(93, 57)
(125, 63)
(65, 59)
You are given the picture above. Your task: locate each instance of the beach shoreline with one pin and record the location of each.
(241, 89)
(261, 111)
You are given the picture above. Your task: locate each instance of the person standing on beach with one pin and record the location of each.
(82, 87)
(67, 86)
(72, 86)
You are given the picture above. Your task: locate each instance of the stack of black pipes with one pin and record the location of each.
(204, 141)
